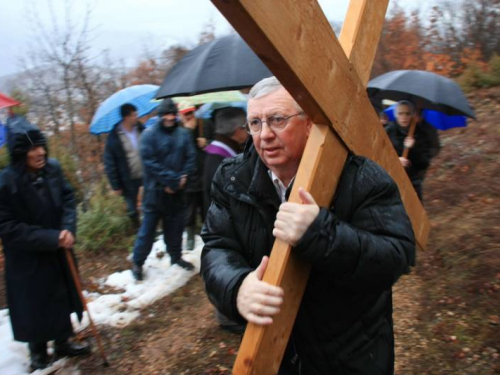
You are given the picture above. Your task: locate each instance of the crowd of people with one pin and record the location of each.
(234, 175)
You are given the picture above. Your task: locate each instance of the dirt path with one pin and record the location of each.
(177, 335)
(410, 346)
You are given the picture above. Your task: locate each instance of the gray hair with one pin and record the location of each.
(228, 119)
(267, 86)
(408, 104)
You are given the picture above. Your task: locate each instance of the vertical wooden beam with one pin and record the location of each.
(361, 47)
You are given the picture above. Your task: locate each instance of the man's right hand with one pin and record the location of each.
(404, 162)
(118, 192)
(66, 239)
(258, 301)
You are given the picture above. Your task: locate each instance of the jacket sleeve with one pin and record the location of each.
(223, 266)
(19, 236)
(68, 220)
(426, 147)
(376, 246)
(111, 166)
(163, 176)
(189, 156)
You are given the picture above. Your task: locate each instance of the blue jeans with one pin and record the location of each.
(169, 209)
(130, 194)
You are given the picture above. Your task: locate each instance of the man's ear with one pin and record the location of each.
(309, 125)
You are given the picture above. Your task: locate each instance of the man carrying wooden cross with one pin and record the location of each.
(358, 247)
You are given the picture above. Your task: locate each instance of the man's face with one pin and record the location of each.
(168, 119)
(132, 118)
(188, 115)
(280, 150)
(35, 159)
(403, 115)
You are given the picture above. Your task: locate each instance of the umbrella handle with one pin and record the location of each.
(413, 126)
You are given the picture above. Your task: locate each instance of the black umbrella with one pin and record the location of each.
(427, 90)
(226, 63)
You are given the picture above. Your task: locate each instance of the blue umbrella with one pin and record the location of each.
(437, 119)
(206, 110)
(3, 135)
(108, 113)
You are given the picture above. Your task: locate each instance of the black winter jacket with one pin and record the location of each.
(426, 147)
(167, 155)
(40, 290)
(358, 248)
(115, 161)
(194, 183)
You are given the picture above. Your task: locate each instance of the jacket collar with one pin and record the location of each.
(253, 176)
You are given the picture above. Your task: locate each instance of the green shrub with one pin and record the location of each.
(470, 79)
(494, 66)
(105, 226)
(474, 78)
(4, 157)
(62, 153)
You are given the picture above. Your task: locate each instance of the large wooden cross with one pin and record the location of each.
(328, 80)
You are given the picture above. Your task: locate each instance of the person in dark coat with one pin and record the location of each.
(193, 191)
(230, 136)
(423, 146)
(37, 222)
(229, 140)
(358, 247)
(168, 158)
(122, 159)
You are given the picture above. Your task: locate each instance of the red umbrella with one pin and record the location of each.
(5, 101)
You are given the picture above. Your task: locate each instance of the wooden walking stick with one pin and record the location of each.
(413, 126)
(76, 279)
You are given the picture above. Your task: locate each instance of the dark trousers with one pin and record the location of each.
(131, 195)
(194, 204)
(169, 209)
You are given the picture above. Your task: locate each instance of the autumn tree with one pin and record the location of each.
(400, 44)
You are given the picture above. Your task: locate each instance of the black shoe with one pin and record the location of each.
(71, 349)
(39, 361)
(38, 356)
(137, 271)
(186, 265)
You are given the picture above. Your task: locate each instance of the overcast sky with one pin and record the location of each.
(126, 27)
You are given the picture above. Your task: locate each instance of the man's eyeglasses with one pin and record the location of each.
(276, 123)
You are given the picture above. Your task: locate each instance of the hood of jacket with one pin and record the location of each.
(22, 142)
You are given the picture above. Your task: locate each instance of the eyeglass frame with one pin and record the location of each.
(246, 125)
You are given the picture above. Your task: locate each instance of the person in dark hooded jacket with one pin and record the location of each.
(37, 222)
(423, 146)
(358, 247)
(168, 158)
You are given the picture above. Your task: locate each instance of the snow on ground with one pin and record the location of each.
(117, 310)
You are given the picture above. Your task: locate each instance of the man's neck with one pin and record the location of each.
(285, 177)
(127, 125)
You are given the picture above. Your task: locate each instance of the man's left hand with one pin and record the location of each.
(293, 219)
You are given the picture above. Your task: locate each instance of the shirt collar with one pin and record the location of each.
(279, 185)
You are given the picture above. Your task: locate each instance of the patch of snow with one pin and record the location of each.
(117, 310)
